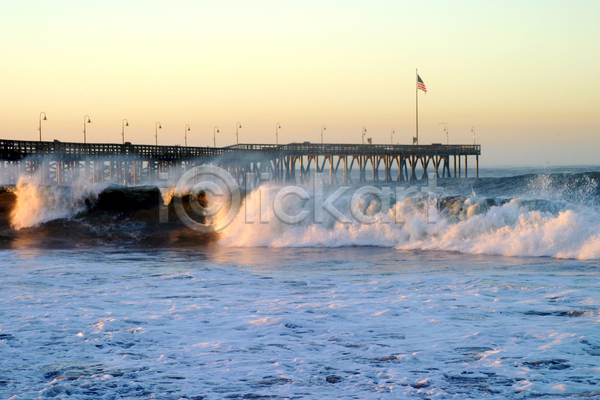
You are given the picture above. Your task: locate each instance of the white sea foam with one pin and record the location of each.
(465, 225)
(539, 223)
(37, 204)
(361, 323)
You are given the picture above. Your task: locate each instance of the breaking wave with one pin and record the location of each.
(535, 215)
(549, 216)
(90, 214)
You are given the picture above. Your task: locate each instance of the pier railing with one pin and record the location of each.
(128, 163)
(18, 149)
(378, 149)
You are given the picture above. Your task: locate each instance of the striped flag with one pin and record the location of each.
(420, 84)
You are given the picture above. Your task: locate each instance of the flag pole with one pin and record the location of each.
(417, 103)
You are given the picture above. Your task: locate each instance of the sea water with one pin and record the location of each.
(496, 296)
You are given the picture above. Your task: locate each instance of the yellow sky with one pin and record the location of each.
(520, 72)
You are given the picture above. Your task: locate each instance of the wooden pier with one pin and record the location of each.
(58, 163)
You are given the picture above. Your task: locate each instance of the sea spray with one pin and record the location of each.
(166, 195)
(515, 227)
(582, 188)
(548, 215)
(513, 230)
(37, 204)
(256, 224)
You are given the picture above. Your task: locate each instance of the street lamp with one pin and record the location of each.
(445, 130)
(392, 136)
(237, 137)
(277, 128)
(40, 128)
(124, 123)
(157, 126)
(473, 130)
(323, 128)
(364, 132)
(215, 131)
(185, 131)
(86, 120)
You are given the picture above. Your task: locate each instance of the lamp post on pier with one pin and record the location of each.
(473, 131)
(185, 131)
(124, 123)
(323, 128)
(445, 130)
(364, 132)
(237, 137)
(392, 137)
(40, 128)
(215, 131)
(277, 128)
(157, 126)
(86, 120)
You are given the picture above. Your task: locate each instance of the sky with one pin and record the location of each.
(523, 74)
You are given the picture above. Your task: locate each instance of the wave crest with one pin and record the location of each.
(37, 204)
(515, 227)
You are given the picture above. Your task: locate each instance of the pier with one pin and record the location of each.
(60, 163)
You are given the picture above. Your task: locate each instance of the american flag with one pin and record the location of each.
(420, 84)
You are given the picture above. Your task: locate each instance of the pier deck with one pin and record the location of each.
(130, 164)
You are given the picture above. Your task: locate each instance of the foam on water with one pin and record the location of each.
(257, 317)
(249, 323)
(547, 226)
(536, 215)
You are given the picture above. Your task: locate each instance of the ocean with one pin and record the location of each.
(487, 288)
